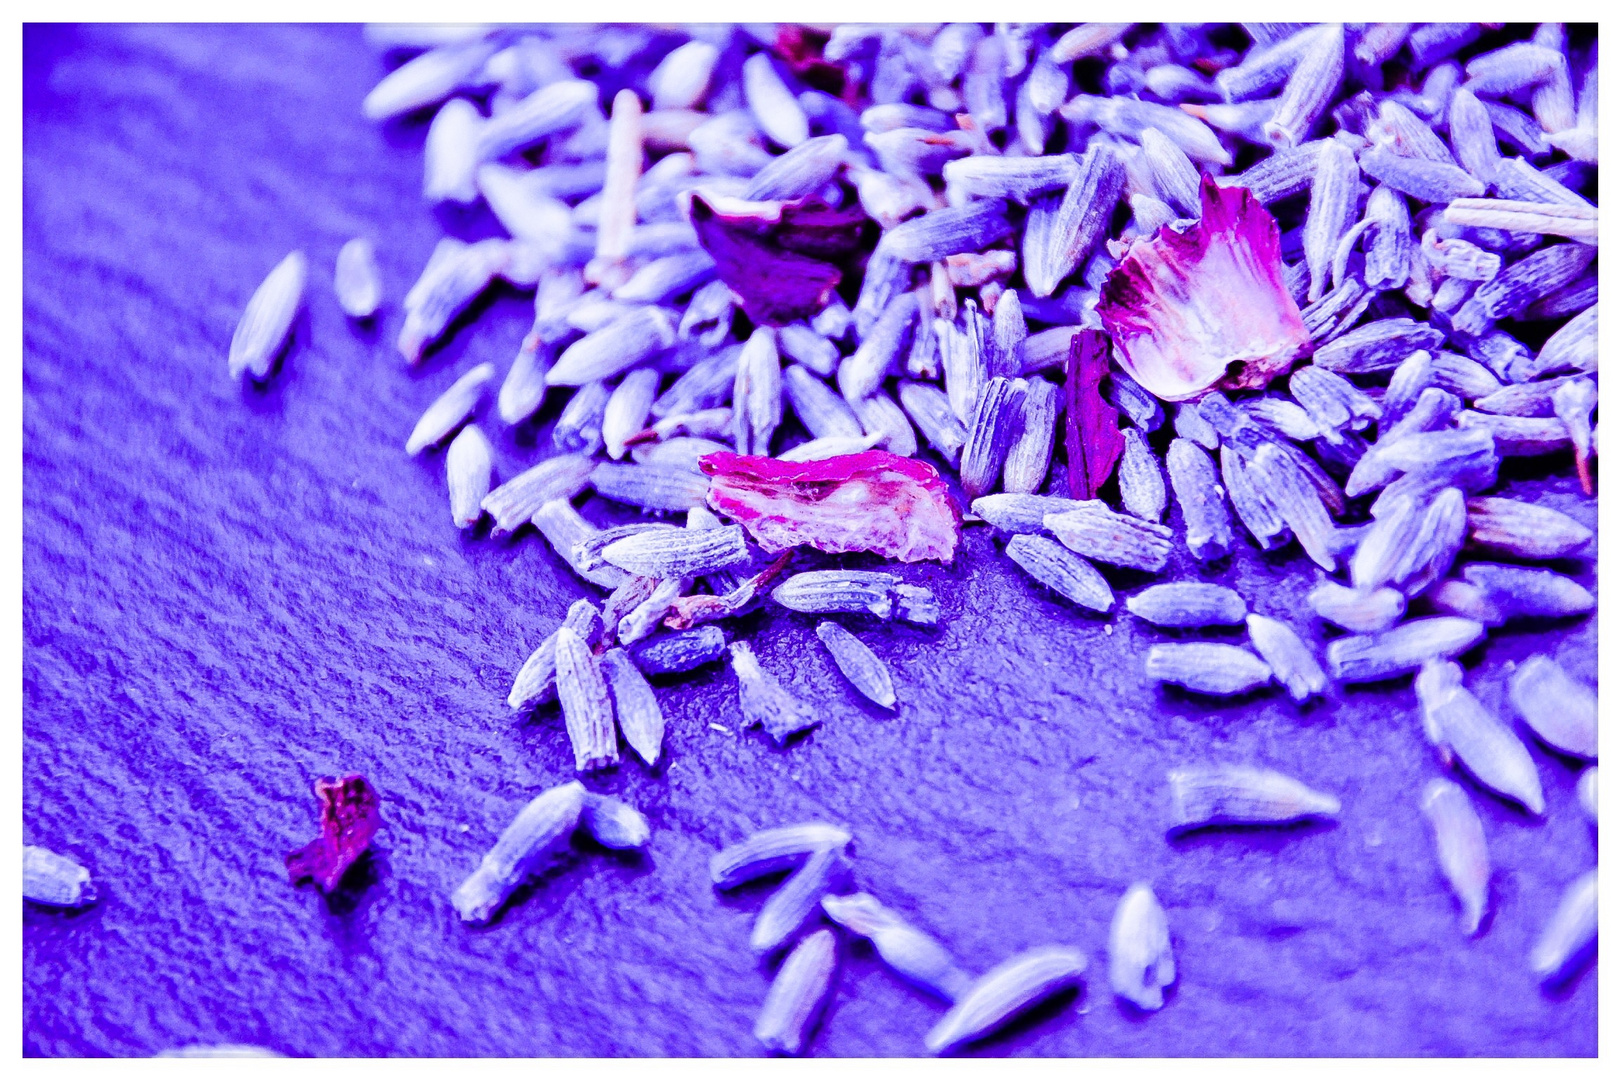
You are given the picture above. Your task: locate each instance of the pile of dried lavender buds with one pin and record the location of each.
(1353, 265)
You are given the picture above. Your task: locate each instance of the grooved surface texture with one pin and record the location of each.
(230, 592)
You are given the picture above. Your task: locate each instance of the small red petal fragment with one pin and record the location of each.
(1207, 306)
(689, 611)
(783, 266)
(871, 501)
(349, 819)
(1091, 433)
(801, 47)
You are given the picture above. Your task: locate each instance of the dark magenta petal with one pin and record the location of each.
(1206, 307)
(871, 501)
(783, 265)
(349, 819)
(1091, 432)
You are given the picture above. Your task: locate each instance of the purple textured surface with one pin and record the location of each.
(229, 592)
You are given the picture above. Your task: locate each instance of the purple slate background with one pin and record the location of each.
(229, 592)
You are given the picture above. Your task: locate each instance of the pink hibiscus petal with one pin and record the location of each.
(871, 501)
(1206, 307)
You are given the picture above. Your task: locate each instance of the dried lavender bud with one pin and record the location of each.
(909, 952)
(450, 153)
(858, 663)
(682, 78)
(1529, 592)
(757, 393)
(1463, 377)
(794, 906)
(1406, 648)
(1332, 211)
(1511, 290)
(55, 880)
(822, 412)
(587, 708)
(1290, 492)
(1360, 611)
(1202, 796)
(1190, 424)
(1463, 730)
(775, 109)
(517, 500)
(1332, 401)
(1310, 87)
(650, 487)
(985, 176)
(644, 618)
(1098, 533)
(627, 408)
(1291, 661)
(802, 171)
(467, 466)
(835, 446)
(799, 342)
(1287, 419)
(1562, 712)
(1062, 571)
(860, 374)
(537, 834)
(426, 79)
(579, 427)
(1140, 963)
(1570, 936)
(1459, 841)
(1202, 501)
(950, 231)
(620, 345)
(447, 286)
(996, 423)
(670, 654)
(1377, 346)
(356, 279)
(1572, 347)
(1208, 668)
(639, 717)
(1062, 230)
(1517, 436)
(771, 851)
(1030, 455)
(614, 824)
(1264, 68)
(1141, 484)
(548, 111)
(930, 409)
(798, 994)
(268, 318)
(1188, 603)
(1005, 991)
(1020, 513)
(826, 592)
(1287, 172)
(886, 424)
(1525, 530)
(763, 699)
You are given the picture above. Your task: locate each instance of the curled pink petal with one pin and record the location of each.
(1206, 307)
(871, 501)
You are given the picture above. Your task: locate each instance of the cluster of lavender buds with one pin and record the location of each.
(833, 290)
